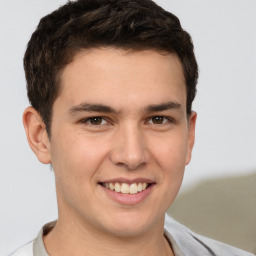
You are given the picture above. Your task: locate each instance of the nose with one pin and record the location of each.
(129, 148)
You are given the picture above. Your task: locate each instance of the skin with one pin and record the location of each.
(126, 141)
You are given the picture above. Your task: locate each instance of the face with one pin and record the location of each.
(120, 139)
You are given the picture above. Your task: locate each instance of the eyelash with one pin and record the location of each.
(165, 120)
(89, 120)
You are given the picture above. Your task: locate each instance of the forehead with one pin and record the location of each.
(107, 74)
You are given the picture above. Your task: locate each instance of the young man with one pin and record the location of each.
(111, 84)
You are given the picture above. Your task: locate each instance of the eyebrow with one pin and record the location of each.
(91, 108)
(163, 106)
(87, 107)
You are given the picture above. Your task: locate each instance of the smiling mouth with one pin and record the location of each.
(125, 188)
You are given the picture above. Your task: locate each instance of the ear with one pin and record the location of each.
(191, 135)
(37, 135)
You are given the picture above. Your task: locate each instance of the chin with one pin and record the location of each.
(130, 225)
(127, 231)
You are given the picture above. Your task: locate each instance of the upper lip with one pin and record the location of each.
(128, 181)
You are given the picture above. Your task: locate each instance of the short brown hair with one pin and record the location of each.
(84, 24)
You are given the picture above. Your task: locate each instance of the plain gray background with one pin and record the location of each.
(224, 36)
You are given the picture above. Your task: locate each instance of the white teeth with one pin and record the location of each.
(139, 187)
(111, 186)
(133, 188)
(126, 188)
(117, 187)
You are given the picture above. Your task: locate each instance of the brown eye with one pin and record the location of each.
(96, 120)
(157, 119)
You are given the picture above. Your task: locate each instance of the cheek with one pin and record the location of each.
(170, 154)
(77, 158)
(76, 161)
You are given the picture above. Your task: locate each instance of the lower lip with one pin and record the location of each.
(128, 199)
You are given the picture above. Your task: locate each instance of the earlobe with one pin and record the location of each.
(191, 135)
(37, 135)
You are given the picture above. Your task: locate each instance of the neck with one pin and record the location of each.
(68, 238)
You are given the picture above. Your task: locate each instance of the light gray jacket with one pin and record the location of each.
(183, 241)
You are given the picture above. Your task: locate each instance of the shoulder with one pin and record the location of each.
(26, 250)
(192, 243)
